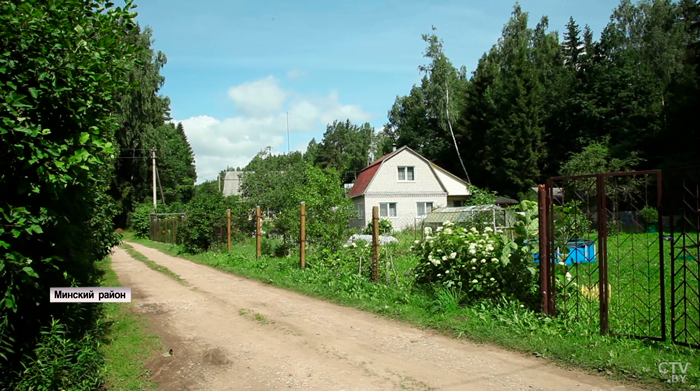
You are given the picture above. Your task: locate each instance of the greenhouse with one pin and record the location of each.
(478, 216)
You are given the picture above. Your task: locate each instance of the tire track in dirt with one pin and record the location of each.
(272, 339)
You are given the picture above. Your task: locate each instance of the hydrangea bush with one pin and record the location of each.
(481, 263)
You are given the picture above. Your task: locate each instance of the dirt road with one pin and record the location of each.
(231, 333)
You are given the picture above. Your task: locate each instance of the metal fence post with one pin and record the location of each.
(551, 248)
(544, 251)
(375, 243)
(302, 237)
(602, 255)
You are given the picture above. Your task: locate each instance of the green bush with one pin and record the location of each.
(61, 66)
(615, 227)
(140, 220)
(482, 264)
(570, 222)
(480, 197)
(280, 187)
(60, 362)
(206, 213)
(385, 227)
(274, 247)
(649, 215)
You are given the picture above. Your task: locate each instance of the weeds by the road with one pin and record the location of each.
(260, 318)
(152, 265)
(128, 343)
(567, 342)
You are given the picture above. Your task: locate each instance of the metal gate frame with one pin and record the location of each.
(547, 246)
(685, 203)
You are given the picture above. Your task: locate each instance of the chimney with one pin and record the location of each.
(394, 146)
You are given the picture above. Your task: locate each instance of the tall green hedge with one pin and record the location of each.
(61, 64)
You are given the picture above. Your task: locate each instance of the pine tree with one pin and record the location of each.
(572, 46)
(516, 139)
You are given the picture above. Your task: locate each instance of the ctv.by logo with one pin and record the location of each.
(675, 378)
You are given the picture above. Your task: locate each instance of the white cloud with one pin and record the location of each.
(257, 98)
(262, 106)
(295, 73)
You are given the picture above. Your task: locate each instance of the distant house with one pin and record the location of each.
(232, 183)
(406, 187)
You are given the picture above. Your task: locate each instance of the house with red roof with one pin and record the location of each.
(406, 187)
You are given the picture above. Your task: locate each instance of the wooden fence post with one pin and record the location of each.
(302, 237)
(375, 243)
(228, 230)
(182, 222)
(258, 223)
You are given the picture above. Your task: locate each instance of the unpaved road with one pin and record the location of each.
(231, 333)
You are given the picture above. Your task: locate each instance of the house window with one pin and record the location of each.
(424, 208)
(406, 174)
(387, 209)
(458, 203)
(359, 209)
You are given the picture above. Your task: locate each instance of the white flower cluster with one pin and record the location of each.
(479, 245)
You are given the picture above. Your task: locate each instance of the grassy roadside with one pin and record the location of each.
(129, 344)
(152, 265)
(564, 342)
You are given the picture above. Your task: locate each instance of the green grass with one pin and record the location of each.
(152, 265)
(566, 342)
(128, 345)
(260, 318)
(634, 275)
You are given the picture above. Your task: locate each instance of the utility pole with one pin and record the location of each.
(155, 200)
(288, 133)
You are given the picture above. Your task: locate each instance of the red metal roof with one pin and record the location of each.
(366, 176)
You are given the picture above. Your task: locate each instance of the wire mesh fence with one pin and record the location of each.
(605, 240)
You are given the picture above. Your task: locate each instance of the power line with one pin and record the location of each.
(447, 109)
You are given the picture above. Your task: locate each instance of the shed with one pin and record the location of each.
(505, 201)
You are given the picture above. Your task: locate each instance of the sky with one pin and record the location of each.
(236, 68)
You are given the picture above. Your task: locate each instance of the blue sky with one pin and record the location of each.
(236, 67)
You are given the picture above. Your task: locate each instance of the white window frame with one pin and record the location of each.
(425, 209)
(388, 209)
(404, 169)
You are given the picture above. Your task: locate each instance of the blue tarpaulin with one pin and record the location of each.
(580, 251)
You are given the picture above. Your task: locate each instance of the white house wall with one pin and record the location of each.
(386, 178)
(406, 207)
(453, 186)
(232, 183)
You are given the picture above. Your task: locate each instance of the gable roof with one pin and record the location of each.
(367, 174)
